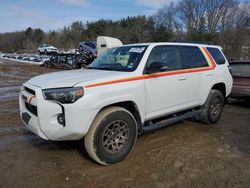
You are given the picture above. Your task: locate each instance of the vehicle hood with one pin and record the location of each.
(73, 77)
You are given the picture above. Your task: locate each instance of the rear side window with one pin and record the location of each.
(217, 56)
(192, 57)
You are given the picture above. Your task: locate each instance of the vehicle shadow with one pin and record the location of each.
(239, 102)
(49, 145)
(237, 130)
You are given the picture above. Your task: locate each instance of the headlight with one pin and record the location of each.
(63, 95)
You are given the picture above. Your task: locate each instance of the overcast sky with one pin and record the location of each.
(16, 15)
(54, 14)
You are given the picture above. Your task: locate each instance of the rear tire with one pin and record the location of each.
(111, 136)
(212, 109)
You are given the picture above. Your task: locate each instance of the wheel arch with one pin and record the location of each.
(131, 106)
(220, 87)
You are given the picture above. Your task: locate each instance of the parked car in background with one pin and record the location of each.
(89, 48)
(65, 61)
(47, 49)
(241, 79)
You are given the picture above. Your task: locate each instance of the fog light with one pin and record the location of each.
(61, 119)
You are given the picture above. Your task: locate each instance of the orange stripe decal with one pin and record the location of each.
(116, 81)
(209, 58)
(205, 52)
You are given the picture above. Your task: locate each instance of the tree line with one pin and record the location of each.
(222, 22)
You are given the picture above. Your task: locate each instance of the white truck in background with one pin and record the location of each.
(104, 43)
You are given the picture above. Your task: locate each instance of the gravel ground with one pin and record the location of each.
(187, 154)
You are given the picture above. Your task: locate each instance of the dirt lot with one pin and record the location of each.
(187, 154)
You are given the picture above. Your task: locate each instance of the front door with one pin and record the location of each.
(166, 90)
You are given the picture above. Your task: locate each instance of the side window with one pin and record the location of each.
(167, 55)
(192, 57)
(92, 45)
(217, 55)
(87, 44)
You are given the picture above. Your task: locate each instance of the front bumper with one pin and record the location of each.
(40, 116)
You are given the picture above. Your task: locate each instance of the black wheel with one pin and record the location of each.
(91, 56)
(212, 109)
(247, 99)
(46, 64)
(111, 136)
(84, 66)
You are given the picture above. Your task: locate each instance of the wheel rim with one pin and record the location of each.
(115, 136)
(215, 108)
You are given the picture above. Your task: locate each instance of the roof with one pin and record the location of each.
(176, 43)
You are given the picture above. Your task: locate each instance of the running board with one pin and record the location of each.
(163, 123)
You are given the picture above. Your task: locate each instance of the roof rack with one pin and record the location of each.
(194, 42)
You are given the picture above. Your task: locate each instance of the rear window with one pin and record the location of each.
(217, 56)
(240, 70)
(192, 57)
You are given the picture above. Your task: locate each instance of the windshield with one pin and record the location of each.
(125, 58)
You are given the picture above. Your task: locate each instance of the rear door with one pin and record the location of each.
(194, 63)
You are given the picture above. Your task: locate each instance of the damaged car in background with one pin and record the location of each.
(66, 61)
(82, 57)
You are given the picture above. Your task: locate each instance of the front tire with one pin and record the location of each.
(212, 109)
(111, 136)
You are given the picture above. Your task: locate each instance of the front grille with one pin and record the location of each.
(24, 98)
(31, 108)
(30, 91)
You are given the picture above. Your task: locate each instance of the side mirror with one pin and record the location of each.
(155, 67)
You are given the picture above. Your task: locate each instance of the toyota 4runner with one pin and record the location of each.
(126, 91)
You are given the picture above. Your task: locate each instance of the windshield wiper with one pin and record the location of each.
(102, 68)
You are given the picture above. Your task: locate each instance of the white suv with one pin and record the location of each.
(47, 49)
(127, 90)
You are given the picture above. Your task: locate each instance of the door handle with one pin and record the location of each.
(209, 74)
(182, 78)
